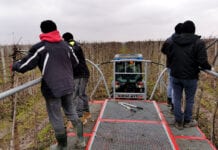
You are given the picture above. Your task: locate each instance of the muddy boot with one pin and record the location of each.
(84, 120)
(62, 142)
(69, 127)
(80, 143)
(87, 115)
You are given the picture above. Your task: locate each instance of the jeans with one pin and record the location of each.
(169, 86)
(54, 106)
(80, 95)
(189, 87)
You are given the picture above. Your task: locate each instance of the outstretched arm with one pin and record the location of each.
(29, 62)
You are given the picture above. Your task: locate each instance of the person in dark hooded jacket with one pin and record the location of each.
(81, 77)
(55, 60)
(186, 56)
(165, 50)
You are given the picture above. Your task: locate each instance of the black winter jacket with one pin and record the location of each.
(55, 60)
(187, 55)
(165, 48)
(81, 70)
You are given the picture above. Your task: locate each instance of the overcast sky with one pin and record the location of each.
(105, 20)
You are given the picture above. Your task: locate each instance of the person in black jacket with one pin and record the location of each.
(81, 77)
(55, 60)
(186, 56)
(165, 48)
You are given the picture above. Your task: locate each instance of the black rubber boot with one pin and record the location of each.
(169, 101)
(62, 142)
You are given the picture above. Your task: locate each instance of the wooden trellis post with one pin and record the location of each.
(212, 134)
(14, 143)
(3, 65)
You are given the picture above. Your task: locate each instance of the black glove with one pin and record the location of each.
(15, 66)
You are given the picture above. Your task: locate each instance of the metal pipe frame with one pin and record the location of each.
(102, 76)
(213, 73)
(19, 88)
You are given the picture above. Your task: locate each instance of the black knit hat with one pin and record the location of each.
(48, 26)
(188, 27)
(178, 28)
(67, 36)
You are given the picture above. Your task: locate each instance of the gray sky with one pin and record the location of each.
(105, 20)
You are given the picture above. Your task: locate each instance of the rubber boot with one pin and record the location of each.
(80, 143)
(169, 101)
(62, 142)
(172, 108)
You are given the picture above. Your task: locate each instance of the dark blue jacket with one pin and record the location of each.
(55, 61)
(165, 48)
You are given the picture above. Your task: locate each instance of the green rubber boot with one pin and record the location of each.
(80, 143)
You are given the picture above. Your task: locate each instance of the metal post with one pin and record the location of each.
(114, 91)
(145, 78)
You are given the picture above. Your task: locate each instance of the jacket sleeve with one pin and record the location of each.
(29, 62)
(202, 55)
(166, 46)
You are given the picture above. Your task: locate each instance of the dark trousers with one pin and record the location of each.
(189, 87)
(80, 95)
(54, 108)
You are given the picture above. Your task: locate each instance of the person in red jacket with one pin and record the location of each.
(55, 60)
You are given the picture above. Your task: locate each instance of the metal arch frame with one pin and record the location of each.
(101, 78)
(157, 82)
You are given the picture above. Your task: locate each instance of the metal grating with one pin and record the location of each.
(193, 144)
(114, 110)
(186, 132)
(130, 136)
(170, 119)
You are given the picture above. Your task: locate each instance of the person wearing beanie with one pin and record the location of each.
(188, 27)
(55, 59)
(164, 50)
(187, 55)
(81, 77)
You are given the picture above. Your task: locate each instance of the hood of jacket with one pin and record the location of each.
(53, 36)
(185, 38)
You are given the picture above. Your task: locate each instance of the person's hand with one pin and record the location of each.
(14, 66)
